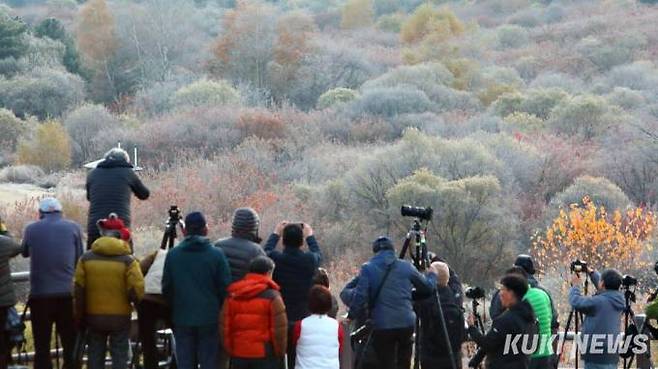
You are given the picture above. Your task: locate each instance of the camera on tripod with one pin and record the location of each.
(628, 281)
(474, 293)
(578, 266)
(174, 215)
(422, 213)
(170, 234)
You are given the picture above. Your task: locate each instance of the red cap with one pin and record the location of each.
(113, 222)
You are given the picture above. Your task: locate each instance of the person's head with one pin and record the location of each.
(114, 227)
(319, 300)
(381, 244)
(517, 270)
(262, 265)
(195, 224)
(525, 261)
(513, 288)
(49, 205)
(117, 154)
(245, 224)
(610, 280)
(293, 235)
(321, 277)
(443, 273)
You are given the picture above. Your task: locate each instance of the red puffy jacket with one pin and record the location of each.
(254, 317)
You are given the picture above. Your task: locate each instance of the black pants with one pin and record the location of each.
(4, 339)
(442, 362)
(268, 363)
(47, 311)
(541, 363)
(292, 350)
(150, 313)
(392, 348)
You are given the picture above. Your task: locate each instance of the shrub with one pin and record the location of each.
(205, 92)
(640, 75)
(336, 96)
(426, 22)
(391, 22)
(357, 14)
(512, 37)
(626, 98)
(540, 102)
(604, 54)
(526, 18)
(43, 93)
(261, 124)
(21, 174)
(524, 121)
(583, 115)
(391, 101)
(11, 128)
(554, 14)
(600, 190)
(563, 81)
(49, 149)
(83, 125)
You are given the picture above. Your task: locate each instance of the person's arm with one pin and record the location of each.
(496, 307)
(9, 248)
(425, 284)
(79, 284)
(79, 246)
(26, 243)
(270, 244)
(225, 328)
(347, 294)
(167, 283)
(360, 295)
(595, 277)
(134, 282)
(494, 339)
(314, 249)
(138, 188)
(147, 262)
(88, 186)
(279, 324)
(223, 278)
(580, 302)
(333, 313)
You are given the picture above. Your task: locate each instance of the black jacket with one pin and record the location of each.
(239, 252)
(495, 309)
(433, 342)
(109, 189)
(294, 273)
(519, 319)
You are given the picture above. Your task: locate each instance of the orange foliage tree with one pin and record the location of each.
(588, 232)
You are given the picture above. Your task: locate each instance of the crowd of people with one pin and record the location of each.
(232, 303)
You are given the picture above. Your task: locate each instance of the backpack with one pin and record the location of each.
(433, 342)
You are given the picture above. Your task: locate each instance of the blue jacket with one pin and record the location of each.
(194, 282)
(602, 316)
(294, 273)
(393, 308)
(54, 245)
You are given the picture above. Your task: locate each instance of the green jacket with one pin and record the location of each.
(652, 310)
(194, 282)
(541, 306)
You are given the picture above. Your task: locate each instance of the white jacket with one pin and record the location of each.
(318, 343)
(153, 279)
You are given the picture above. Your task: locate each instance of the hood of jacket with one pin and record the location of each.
(523, 310)
(251, 286)
(384, 257)
(110, 246)
(195, 243)
(615, 298)
(114, 163)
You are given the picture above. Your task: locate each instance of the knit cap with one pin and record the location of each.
(245, 223)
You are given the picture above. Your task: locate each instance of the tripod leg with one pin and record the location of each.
(566, 330)
(417, 345)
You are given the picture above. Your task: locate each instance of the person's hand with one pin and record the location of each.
(308, 231)
(432, 269)
(470, 320)
(576, 280)
(278, 230)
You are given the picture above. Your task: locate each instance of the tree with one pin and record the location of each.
(11, 128)
(583, 115)
(204, 93)
(357, 14)
(336, 96)
(83, 125)
(49, 149)
(54, 29)
(12, 40)
(601, 238)
(428, 23)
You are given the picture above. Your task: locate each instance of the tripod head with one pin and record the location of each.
(170, 234)
(419, 253)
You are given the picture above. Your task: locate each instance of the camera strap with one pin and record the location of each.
(379, 289)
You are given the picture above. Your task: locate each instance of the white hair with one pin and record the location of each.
(117, 154)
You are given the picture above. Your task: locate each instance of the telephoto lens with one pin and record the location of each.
(424, 213)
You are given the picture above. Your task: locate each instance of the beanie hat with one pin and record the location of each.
(245, 224)
(50, 205)
(382, 243)
(525, 261)
(114, 224)
(195, 223)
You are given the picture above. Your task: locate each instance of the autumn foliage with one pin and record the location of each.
(620, 239)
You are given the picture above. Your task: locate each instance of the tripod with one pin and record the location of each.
(577, 318)
(479, 354)
(170, 232)
(629, 320)
(420, 258)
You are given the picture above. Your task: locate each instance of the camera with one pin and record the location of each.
(174, 214)
(628, 281)
(417, 212)
(474, 293)
(578, 266)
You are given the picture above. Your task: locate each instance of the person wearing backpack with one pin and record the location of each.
(434, 348)
(384, 295)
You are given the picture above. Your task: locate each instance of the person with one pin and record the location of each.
(54, 245)
(244, 244)
(194, 282)
(322, 279)
(153, 311)
(294, 270)
(434, 347)
(318, 338)
(8, 249)
(385, 284)
(107, 281)
(603, 313)
(517, 319)
(253, 320)
(109, 187)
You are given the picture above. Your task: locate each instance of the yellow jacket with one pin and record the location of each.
(107, 280)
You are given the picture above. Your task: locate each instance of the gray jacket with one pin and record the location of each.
(602, 316)
(239, 253)
(8, 249)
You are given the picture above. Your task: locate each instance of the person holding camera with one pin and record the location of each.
(384, 288)
(244, 244)
(517, 319)
(294, 270)
(434, 347)
(603, 313)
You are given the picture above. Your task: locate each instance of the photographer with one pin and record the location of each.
(434, 348)
(517, 319)
(392, 313)
(294, 270)
(602, 315)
